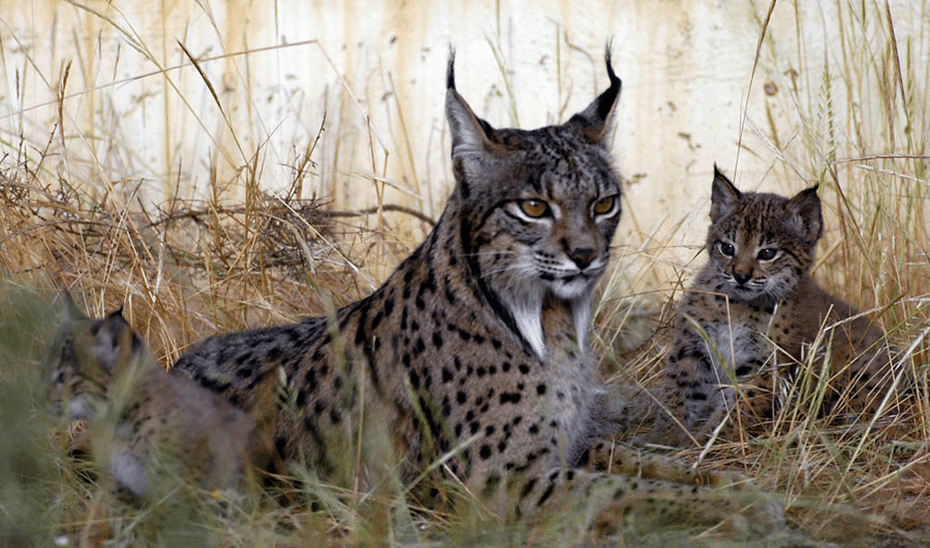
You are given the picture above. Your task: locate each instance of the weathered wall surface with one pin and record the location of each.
(370, 74)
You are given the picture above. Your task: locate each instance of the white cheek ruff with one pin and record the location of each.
(529, 321)
(129, 473)
(78, 409)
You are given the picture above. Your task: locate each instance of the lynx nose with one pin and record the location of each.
(741, 277)
(582, 256)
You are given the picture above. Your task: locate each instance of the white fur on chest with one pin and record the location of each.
(731, 346)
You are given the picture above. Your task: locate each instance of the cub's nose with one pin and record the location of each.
(741, 277)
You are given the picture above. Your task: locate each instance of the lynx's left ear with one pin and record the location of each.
(723, 196)
(115, 341)
(594, 122)
(469, 132)
(804, 215)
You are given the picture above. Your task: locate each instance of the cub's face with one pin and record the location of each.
(86, 356)
(760, 245)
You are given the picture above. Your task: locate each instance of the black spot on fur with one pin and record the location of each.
(376, 320)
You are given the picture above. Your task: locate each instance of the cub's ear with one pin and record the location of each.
(804, 216)
(595, 121)
(69, 310)
(469, 133)
(723, 196)
(114, 341)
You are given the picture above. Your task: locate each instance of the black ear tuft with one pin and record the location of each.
(117, 315)
(594, 121)
(469, 132)
(450, 69)
(608, 98)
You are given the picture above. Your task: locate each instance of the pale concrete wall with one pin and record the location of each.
(375, 70)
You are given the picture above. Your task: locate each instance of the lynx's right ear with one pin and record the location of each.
(114, 341)
(723, 196)
(69, 309)
(594, 122)
(804, 215)
(470, 134)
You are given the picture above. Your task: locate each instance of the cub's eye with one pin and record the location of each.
(534, 208)
(604, 205)
(727, 249)
(767, 254)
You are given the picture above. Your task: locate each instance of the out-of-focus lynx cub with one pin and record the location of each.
(475, 349)
(753, 313)
(147, 430)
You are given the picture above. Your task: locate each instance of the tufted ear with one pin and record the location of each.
(69, 309)
(469, 133)
(114, 341)
(723, 196)
(804, 215)
(594, 122)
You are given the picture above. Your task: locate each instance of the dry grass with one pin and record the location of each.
(185, 269)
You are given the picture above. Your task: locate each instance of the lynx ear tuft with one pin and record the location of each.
(450, 70)
(70, 310)
(723, 196)
(470, 134)
(594, 122)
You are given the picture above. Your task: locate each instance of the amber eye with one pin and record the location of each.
(727, 249)
(767, 254)
(534, 208)
(604, 205)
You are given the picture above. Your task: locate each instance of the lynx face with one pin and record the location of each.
(559, 235)
(760, 245)
(145, 428)
(548, 206)
(87, 355)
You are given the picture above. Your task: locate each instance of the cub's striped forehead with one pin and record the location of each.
(756, 213)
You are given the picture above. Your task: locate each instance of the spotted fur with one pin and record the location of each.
(476, 346)
(147, 429)
(753, 315)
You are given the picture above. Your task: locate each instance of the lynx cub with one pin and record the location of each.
(753, 311)
(476, 346)
(147, 428)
